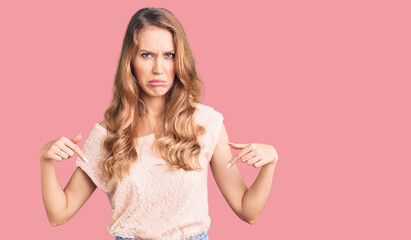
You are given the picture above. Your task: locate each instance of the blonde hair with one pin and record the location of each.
(176, 138)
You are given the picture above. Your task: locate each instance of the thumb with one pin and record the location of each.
(77, 138)
(237, 145)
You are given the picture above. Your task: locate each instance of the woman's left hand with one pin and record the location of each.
(255, 154)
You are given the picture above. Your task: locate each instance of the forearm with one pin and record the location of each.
(54, 198)
(256, 196)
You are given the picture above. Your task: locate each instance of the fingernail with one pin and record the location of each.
(228, 165)
(85, 159)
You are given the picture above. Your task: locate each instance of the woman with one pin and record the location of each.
(150, 154)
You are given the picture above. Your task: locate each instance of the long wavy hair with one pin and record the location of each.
(176, 136)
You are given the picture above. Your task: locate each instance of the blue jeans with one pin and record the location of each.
(202, 236)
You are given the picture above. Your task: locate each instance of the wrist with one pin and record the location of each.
(45, 161)
(272, 164)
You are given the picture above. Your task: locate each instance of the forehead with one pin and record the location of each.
(155, 39)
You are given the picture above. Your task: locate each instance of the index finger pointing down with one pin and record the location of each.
(76, 149)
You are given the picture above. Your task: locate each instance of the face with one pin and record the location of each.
(154, 60)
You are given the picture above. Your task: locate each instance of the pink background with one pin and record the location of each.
(325, 82)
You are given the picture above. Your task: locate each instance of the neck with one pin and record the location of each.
(155, 106)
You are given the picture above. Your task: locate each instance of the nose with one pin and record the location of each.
(158, 66)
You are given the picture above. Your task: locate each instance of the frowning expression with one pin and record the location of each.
(153, 63)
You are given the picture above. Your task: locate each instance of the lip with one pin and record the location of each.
(157, 81)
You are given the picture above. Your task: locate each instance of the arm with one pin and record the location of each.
(246, 203)
(256, 197)
(229, 180)
(61, 204)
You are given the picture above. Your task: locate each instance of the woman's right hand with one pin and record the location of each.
(62, 148)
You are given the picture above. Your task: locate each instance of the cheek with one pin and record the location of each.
(140, 69)
(171, 68)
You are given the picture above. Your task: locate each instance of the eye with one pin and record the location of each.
(144, 54)
(172, 55)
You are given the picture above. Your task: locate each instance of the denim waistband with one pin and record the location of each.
(202, 236)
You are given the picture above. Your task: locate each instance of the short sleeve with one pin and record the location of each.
(214, 126)
(93, 149)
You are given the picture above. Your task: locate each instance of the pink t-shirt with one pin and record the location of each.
(151, 202)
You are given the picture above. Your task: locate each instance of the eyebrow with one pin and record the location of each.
(144, 50)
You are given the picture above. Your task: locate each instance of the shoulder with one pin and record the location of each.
(212, 121)
(103, 124)
(100, 128)
(207, 111)
(207, 115)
